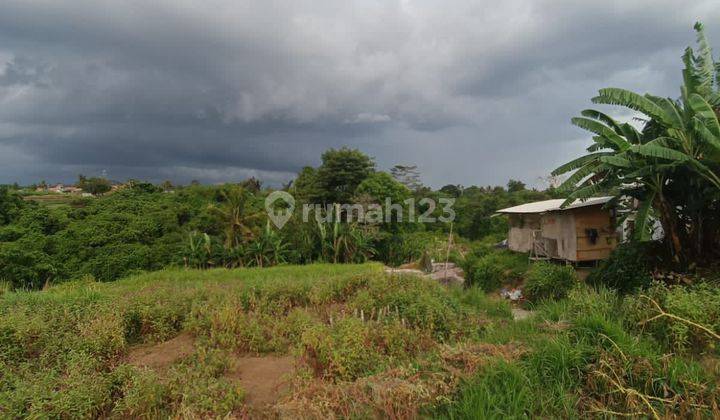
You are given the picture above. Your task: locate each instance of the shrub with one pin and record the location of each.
(491, 271)
(699, 304)
(476, 298)
(423, 304)
(195, 387)
(340, 351)
(400, 248)
(484, 273)
(627, 269)
(549, 281)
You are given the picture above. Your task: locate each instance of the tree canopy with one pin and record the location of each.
(341, 172)
(94, 185)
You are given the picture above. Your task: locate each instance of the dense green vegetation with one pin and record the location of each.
(489, 269)
(587, 356)
(106, 238)
(142, 227)
(549, 281)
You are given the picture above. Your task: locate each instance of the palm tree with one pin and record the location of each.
(238, 215)
(676, 152)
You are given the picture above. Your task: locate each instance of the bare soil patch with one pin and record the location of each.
(520, 313)
(263, 378)
(160, 356)
(444, 273)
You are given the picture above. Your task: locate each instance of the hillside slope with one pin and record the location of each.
(335, 341)
(278, 341)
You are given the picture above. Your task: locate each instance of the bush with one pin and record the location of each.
(584, 359)
(341, 351)
(627, 269)
(423, 304)
(483, 273)
(400, 248)
(699, 304)
(503, 390)
(549, 281)
(491, 271)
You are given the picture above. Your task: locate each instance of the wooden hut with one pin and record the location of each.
(582, 231)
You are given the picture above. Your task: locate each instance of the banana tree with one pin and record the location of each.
(198, 251)
(677, 149)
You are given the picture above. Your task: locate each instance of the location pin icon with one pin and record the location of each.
(279, 218)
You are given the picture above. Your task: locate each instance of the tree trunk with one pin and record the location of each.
(669, 225)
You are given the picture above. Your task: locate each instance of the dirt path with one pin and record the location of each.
(444, 273)
(263, 378)
(160, 356)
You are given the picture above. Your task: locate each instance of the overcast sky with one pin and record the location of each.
(473, 92)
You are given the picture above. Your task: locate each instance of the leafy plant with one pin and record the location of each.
(10, 204)
(627, 269)
(341, 172)
(549, 281)
(494, 269)
(198, 253)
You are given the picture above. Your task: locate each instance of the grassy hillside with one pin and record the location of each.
(330, 341)
(66, 351)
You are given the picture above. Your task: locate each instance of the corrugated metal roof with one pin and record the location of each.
(554, 205)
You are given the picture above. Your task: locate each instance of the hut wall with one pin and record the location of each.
(596, 237)
(559, 227)
(582, 234)
(520, 236)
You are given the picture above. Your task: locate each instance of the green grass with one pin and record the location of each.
(573, 347)
(367, 344)
(499, 392)
(493, 268)
(62, 350)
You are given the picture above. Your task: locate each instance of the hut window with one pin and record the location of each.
(592, 234)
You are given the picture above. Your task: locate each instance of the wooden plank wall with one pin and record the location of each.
(594, 217)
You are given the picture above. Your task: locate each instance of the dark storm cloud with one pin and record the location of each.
(473, 92)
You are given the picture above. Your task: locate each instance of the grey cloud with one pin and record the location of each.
(473, 92)
(21, 71)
